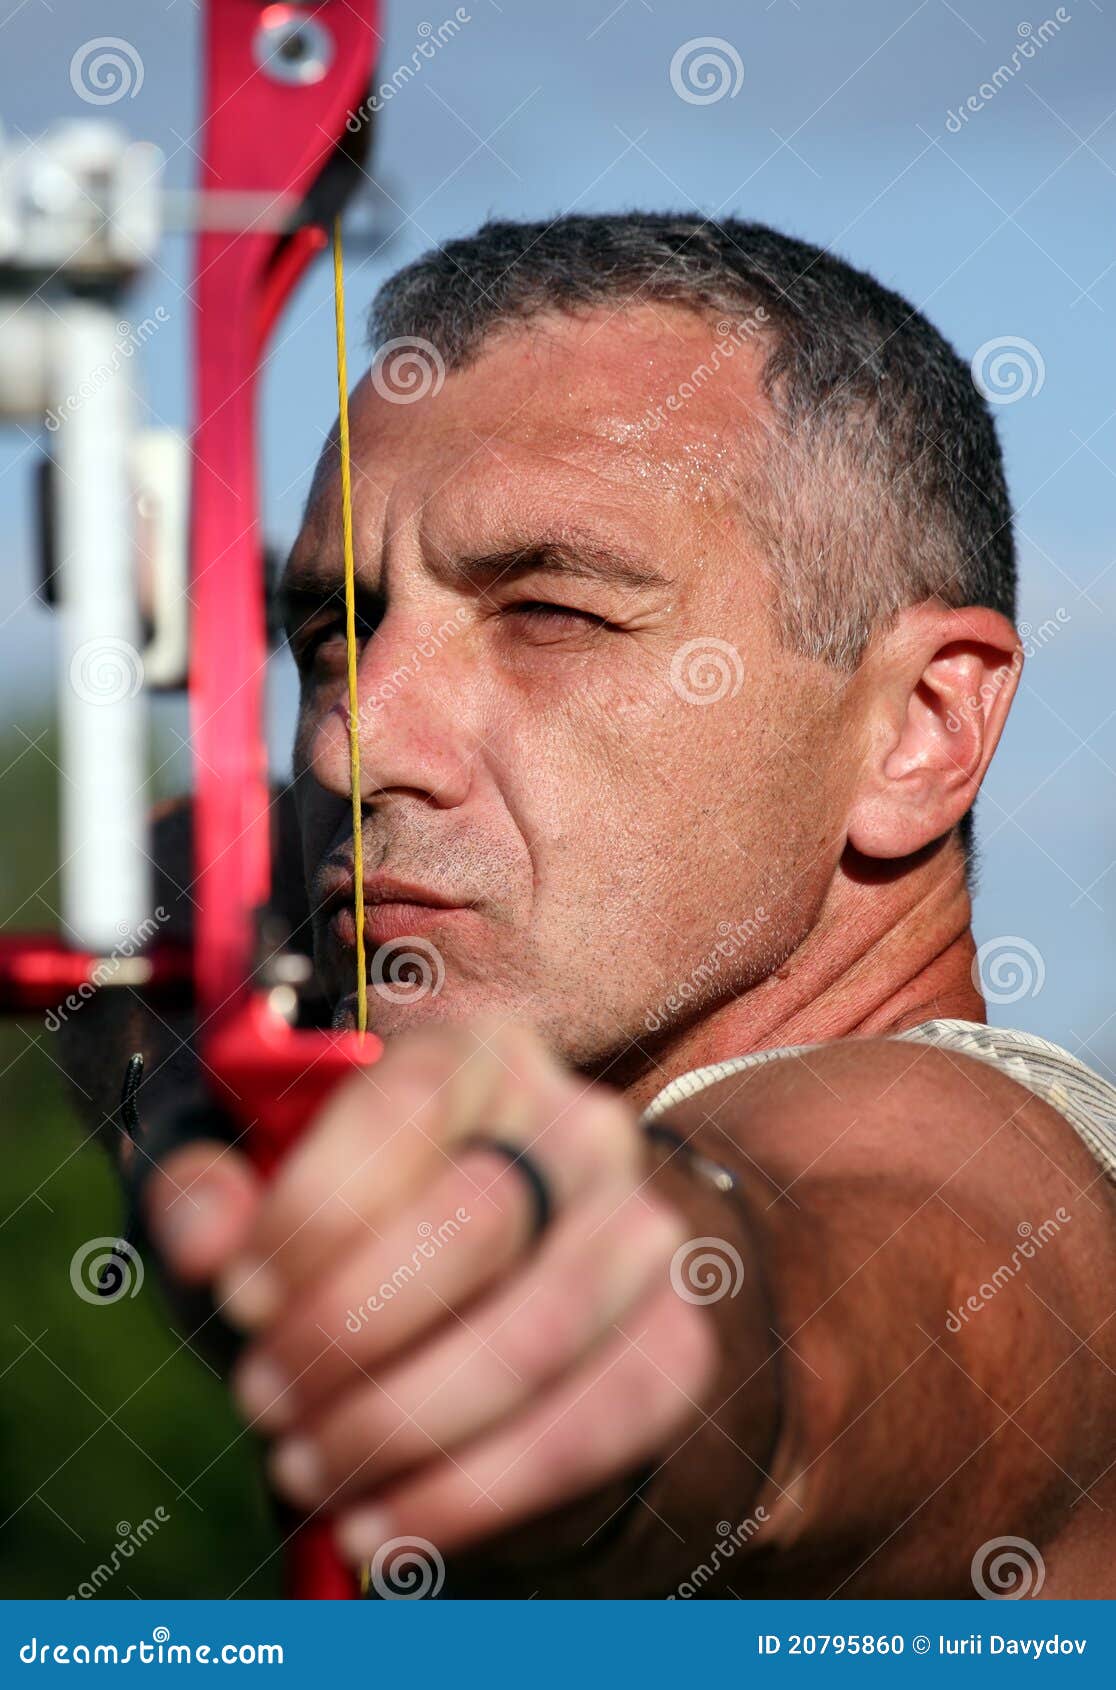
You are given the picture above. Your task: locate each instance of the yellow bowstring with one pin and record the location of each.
(350, 623)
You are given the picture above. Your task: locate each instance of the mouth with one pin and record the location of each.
(393, 909)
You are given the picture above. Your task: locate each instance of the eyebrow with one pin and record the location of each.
(582, 560)
(314, 580)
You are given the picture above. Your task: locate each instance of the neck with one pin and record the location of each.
(889, 949)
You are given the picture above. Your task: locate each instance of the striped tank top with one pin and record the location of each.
(1087, 1101)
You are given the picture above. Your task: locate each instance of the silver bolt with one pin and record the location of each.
(293, 47)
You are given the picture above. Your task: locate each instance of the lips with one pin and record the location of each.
(393, 909)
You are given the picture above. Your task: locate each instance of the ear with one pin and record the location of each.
(939, 685)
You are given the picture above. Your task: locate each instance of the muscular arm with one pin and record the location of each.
(885, 1185)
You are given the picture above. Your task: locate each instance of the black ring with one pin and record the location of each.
(542, 1204)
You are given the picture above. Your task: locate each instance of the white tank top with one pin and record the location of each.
(1087, 1101)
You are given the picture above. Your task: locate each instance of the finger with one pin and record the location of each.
(199, 1205)
(596, 1266)
(389, 1290)
(606, 1418)
(385, 1292)
(375, 1142)
(577, 1132)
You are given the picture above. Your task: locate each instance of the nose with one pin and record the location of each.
(413, 707)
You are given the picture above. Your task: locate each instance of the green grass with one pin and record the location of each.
(105, 1416)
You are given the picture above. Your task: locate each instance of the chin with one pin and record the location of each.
(386, 1019)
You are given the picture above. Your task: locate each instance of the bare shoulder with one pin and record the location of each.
(941, 1247)
(886, 1106)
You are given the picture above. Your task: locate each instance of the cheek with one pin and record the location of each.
(611, 790)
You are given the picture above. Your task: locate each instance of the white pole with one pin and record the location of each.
(106, 895)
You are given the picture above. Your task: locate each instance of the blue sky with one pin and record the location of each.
(840, 132)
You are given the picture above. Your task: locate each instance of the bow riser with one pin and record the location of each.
(264, 135)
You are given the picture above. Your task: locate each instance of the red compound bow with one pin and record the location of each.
(284, 96)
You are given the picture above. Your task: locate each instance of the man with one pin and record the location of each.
(684, 592)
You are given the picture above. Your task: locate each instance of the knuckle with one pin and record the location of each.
(600, 1135)
(657, 1229)
(541, 1337)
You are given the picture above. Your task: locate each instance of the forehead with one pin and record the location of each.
(641, 411)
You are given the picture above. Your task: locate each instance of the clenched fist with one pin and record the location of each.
(434, 1348)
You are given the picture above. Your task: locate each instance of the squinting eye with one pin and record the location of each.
(325, 643)
(539, 607)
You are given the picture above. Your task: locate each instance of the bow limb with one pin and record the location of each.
(285, 88)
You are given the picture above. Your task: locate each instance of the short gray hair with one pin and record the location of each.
(883, 485)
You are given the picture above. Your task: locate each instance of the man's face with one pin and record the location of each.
(578, 728)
